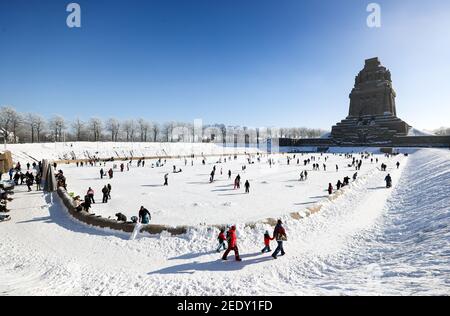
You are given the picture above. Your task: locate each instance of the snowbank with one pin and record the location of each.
(104, 150)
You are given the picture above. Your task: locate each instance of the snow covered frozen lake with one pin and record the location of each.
(190, 198)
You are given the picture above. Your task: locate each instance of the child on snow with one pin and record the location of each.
(221, 239)
(267, 240)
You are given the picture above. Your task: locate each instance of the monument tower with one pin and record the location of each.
(372, 117)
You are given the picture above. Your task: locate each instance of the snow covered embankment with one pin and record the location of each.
(406, 249)
(104, 150)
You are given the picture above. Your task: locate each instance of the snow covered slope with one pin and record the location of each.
(369, 241)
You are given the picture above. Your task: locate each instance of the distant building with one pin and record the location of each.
(372, 118)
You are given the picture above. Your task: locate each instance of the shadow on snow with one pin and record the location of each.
(216, 265)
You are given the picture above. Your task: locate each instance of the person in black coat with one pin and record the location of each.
(144, 215)
(87, 203)
(105, 192)
(388, 180)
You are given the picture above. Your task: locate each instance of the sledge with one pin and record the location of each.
(137, 229)
(5, 218)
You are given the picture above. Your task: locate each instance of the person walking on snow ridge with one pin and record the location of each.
(222, 240)
(232, 244)
(267, 240)
(279, 234)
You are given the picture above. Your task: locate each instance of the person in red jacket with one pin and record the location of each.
(222, 240)
(267, 240)
(232, 244)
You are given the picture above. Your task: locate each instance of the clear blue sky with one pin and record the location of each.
(252, 62)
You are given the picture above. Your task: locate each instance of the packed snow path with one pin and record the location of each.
(369, 241)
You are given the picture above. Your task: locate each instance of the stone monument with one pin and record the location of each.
(372, 117)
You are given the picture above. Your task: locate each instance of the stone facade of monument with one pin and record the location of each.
(372, 117)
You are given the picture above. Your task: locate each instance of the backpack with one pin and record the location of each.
(281, 234)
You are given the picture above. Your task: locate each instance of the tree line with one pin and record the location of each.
(18, 127)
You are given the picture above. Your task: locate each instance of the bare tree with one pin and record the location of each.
(9, 119)
(58, 125)
(113, 126)
(39, 125)
(144, 126)
(16, 122)
(129, 127)
(78, 126)
(257, 131)
(96, 127)
(167, 131)
(34, 123)
(156, 130)
(29, 121)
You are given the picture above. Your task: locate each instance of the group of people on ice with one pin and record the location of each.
(89, 198)
(110, 173)
(18, 176)
(340, 184)
(33, 174)
(144, 217)
(228, 242)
